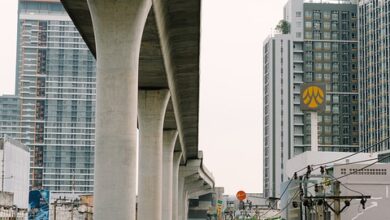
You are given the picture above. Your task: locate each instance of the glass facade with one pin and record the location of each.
(9, 116)
(56, 84)
(330, 53)
(374, 73)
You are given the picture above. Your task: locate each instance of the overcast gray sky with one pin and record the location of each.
(231, 84)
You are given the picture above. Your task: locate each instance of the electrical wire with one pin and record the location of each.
(371, 164)
(333, 180)
(345, 186)
(348, 174)
(345, 157)
(355, 171)
(273, 205)
(284, 208)
(338, 178)
(355, 162)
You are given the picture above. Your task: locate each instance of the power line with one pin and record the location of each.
(333, 180)
(285, 207)
(355, 171)
(338, 178)
(273, 205)
(348, 174)
(355, 162)
(347, 186)
(345, 157)
(371, 164)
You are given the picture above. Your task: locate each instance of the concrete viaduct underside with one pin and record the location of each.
(147, 54)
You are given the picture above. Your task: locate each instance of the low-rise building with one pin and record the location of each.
(358, 181)
(14, 178)
(14, 170)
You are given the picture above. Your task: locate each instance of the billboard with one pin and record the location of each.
(39, 204)
(313, 97)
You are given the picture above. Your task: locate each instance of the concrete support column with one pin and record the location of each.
(181, 196)
(169, 141)
(175, 185)
(118, 26)
(184, 178)
(151, 112)
(186, 205)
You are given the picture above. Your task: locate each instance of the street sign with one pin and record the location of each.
(313, 97)
(241, 195)
(219, 208)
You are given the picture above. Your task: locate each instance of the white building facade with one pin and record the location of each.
(14, 170)
(276, 90)
(359, 176)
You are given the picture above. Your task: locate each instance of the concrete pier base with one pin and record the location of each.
(151, 111)
(184, 178)
(169, 141)
(118, 26)
(175, 185)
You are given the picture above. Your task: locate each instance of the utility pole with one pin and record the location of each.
(337, 207)
(320, 203)
(301, 197)
(55, 210)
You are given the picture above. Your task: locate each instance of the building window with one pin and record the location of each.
(335, 15)
(308, 35)
(308, 46)
(326, 36)
(317, 45)
(318, 56)
(335, 35)
(308, 25)
(335, 26)
(318, 67)
(308, 14)
(335, 46)
(316, 15)
(318, 76)
(317, 35)
(317, 25)
(326, 15)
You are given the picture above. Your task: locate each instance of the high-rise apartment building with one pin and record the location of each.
(55, 81)
(374, 75)
(323, 47)
(9, 116)
(277, 102)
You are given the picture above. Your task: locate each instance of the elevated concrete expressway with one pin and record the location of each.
(147, 76)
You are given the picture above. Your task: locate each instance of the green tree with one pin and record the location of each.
(283, 27)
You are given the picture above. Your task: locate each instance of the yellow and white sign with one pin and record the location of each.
(313, 97)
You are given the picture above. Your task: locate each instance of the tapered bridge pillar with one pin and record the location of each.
(118, 26)
(152, 105)
(169, 141)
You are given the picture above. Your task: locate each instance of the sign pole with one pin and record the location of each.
(314, 131)
(313, 97)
